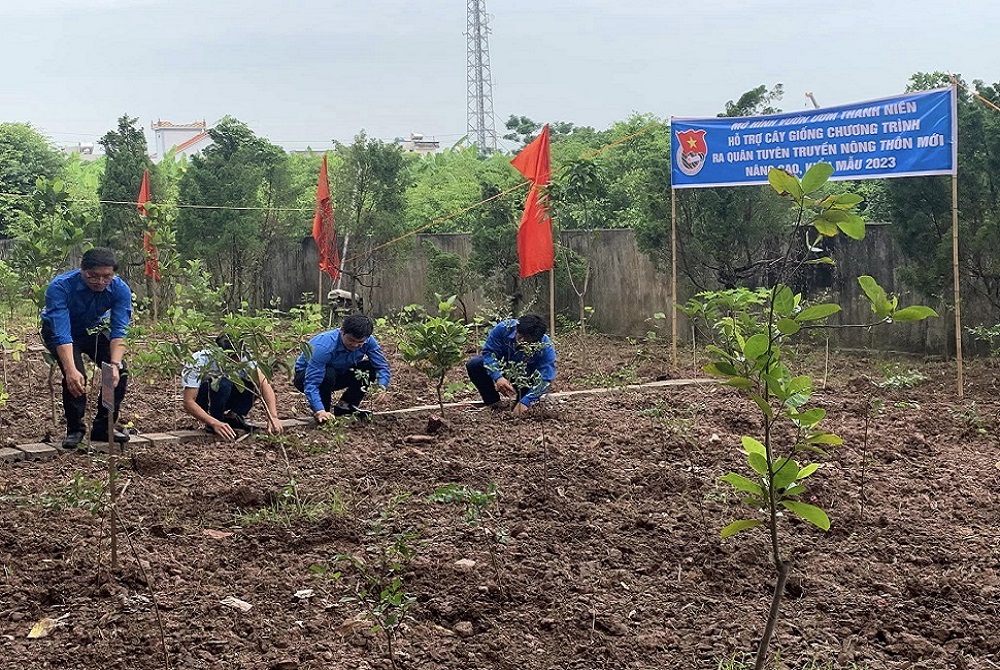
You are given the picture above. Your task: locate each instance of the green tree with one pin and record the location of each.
(921, 206)
(238, 170)
(120, 225)
(369, 190)
(25, 156)
(756, 102)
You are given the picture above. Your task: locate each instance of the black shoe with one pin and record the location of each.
(102, 436)
(343, 409)
(238, 422)
(72, 440)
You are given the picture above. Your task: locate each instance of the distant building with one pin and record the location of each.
(85, 150)
(416, 143)
(184, 138)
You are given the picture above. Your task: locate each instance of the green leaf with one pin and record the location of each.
(796, 490)
(740, 383)
(854, 227)
(825, 438)
(808, 470)
(913, 313)
(752, 446)
(741, 483)
(826, 260)
(719, 370)
(788, 326)
(876, 294)
(825, 228)
(786, 471)
(848, 200)
(784, 183)
(810, 417)
(784, 301)
(765, 407)
(814, 312)
(758, 462)
(810, 513)
(739, 526)
(800, 384)
(816, 176)
(756, 346)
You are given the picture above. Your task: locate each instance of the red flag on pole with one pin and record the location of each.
(535, 249)
(152, 268)
(324, 231)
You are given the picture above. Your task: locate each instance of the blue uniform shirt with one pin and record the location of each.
(328, 351)
(501, 345)
(71, 308)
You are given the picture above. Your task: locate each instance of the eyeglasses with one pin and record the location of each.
(103, 278)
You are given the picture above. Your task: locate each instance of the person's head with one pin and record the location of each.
(224, 342)
(98, 267)
(355, 330)
(530, 328)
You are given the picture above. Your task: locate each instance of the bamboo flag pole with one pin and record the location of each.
(673, 277)
(958, 295)
(954, 248)
(552, 301)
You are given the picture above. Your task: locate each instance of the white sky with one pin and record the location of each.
(304, 72)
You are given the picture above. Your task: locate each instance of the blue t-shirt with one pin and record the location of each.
(328, 351)
(72, 308)
(501, 345)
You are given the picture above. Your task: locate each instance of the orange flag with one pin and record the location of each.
(535, 249)
(324, 231)
(152, 268)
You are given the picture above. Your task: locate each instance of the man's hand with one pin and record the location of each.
(116, 373)
(520, 409)
(223, 430)
(322, 416)
(505, 387)
(274, 426)
(75, 383)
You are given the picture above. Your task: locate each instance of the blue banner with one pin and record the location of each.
(903, 136)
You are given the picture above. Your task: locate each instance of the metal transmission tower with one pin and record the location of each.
(480, 81)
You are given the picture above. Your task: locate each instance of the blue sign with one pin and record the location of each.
(904, 136)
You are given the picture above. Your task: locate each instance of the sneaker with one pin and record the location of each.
(238, 422)
(72, 440)
(343, 409)
(102, 436)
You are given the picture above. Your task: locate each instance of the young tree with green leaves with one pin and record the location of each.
(751, 331)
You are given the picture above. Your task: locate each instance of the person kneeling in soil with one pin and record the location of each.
(348, 358)
(87, 312)
(212, 397)
(518, 359)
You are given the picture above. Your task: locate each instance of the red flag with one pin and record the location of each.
(152, 268)
(144, 192)
(324, 231)
(534, 238)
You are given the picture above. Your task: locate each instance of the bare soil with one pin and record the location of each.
(609, 511)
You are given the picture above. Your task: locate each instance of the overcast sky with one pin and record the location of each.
(305, 72)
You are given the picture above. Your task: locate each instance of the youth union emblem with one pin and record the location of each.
(693, 151)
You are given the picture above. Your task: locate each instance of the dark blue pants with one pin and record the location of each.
(333, 381)
(97, 347)
(480, 377)
(225, 397)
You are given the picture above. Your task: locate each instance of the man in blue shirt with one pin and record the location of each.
(87, 312)
(518, 360)
(344, 358)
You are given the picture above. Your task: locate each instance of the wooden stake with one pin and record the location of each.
(552, 302)
(958, 296)
(113, 490)
(673, 277)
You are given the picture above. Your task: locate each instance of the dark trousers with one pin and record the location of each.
(225, 397)
(480, 377)
(356, 385)
(98, 349)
